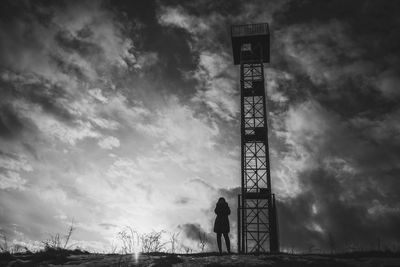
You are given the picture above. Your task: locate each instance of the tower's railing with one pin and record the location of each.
(249, 29)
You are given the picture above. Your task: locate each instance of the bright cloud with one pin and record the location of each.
(109, 142)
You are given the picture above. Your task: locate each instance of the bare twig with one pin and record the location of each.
(55, 241)
(68, 236)
(4, 247)
(202, 241)
(174, 241)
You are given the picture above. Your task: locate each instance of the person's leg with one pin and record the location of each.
(219, 242)
(227, 242)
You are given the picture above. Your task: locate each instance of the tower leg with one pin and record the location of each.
(274, 236)
(239, 225)
(257, 217)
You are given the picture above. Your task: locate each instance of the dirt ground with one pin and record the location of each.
(210, 260)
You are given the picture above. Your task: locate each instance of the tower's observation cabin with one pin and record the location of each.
(257, 219)
(250, 43)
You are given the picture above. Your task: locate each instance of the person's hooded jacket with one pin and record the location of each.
(221, 224)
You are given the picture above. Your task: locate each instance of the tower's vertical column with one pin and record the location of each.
(256, 202)
(257, 222)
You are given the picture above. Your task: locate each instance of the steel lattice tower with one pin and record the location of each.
(257, 217)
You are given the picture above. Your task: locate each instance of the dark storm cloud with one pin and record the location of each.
(349, 190)
(171, 44)
(10, 123)
(51, 98)
(70, 43)
(348, 53)
(32, 151)
(20, 47)
(338, 53)
(348, 222)
(196, 233)
(48, 61)
(8, 155)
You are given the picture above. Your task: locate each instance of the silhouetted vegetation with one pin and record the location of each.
(55, 250)
(159, 248)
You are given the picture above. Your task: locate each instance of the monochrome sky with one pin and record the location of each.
(126, 113)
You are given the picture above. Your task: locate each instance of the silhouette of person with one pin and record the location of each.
(221, 225)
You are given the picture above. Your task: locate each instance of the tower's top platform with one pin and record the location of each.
(249, 29)
(250, 42)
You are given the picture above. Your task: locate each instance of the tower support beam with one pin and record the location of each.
(257, 218)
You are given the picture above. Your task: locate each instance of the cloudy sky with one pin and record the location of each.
(126, 113)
